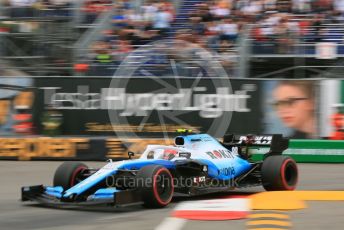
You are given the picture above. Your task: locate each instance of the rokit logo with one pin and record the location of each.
(219, 154)
(140, 104)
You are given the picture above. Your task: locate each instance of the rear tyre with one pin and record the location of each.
(279, 173)
(155, 184)
(69, 174)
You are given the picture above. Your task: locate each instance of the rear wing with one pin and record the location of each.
(276, 142)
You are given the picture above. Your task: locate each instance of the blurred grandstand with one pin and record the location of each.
(88, 37)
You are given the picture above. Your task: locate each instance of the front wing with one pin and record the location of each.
(40, 194)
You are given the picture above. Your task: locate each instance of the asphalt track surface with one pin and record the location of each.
(16, 215)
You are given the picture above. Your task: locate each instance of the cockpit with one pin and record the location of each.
(161, 153)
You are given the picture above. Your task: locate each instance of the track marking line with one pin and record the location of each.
(266, 229)
(216, 209)
(268, 215)
(235, 204)
(269, 222)
(171, 223)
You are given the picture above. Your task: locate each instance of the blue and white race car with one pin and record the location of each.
(196, 164)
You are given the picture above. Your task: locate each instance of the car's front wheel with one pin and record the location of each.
(155, 184)
(69, 174)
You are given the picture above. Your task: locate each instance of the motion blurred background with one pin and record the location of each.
(51, 37)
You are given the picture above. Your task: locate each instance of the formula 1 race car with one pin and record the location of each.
(196, 164)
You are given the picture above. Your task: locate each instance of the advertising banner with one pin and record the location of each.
(147, 107)
(50, 118)
(156, 107)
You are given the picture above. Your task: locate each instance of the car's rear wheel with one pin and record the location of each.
(69, 174)
(155, 184)
(279, 173)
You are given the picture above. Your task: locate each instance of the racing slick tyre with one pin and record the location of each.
(69, 174)
(155, 184)
(279, 173)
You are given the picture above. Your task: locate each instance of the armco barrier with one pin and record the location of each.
(310, 151)
(101, 148)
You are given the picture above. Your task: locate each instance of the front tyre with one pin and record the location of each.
(69, 174)
(155, 184)
(279, 173)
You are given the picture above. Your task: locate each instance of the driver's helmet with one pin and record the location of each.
(150, 155)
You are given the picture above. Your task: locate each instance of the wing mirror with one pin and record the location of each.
(131, 154)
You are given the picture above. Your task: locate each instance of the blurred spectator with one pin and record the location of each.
(321, 6)
(125, 4)
(120, 20)
(123, 49)
(229, 30)
(318, 29)
(253, 8)
(269, 5)
(134, 18)
(162, 20)
(287, 33)
(220, 10)
(196, 26)
(338, 6)
(301, 6)
(103, 60)
(205, 13)
(149, 10)
(93, 8)
(284, 6)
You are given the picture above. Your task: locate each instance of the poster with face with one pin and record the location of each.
(290, 108)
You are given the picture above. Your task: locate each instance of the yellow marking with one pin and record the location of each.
(268, 215)
(319, 195)
(270, 201)
(266, 229)
(269, 222)
(291, 200)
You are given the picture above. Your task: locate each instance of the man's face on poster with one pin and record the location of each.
(293, 106)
